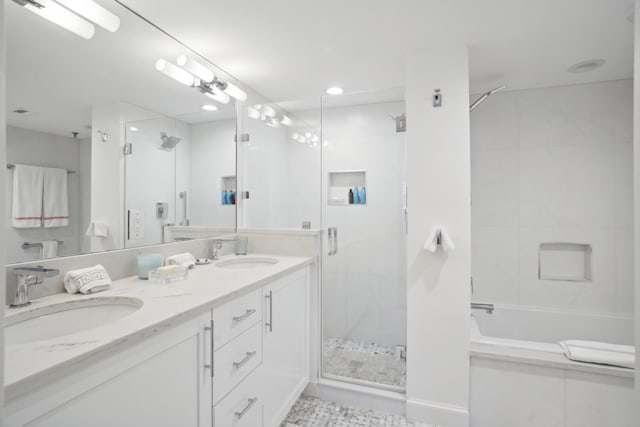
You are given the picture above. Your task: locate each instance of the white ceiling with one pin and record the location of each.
(295, 49)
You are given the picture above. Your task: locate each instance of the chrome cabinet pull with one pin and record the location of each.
(248, 357)
(332, 237)
(246, 408)
(270, 322)
(335, 240)
(248, 313)
(210, 330)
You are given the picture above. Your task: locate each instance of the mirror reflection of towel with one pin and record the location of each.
(49, 249)
(55, 200)
(28, 183)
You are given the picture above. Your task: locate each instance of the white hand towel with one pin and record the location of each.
(439, 232)
(98, 229)
(49, 249)
(600, 353)
(55, 202)
(185, 260)
(28, 183)
(87, 280)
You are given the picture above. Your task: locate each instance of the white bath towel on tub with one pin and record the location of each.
(599, 352)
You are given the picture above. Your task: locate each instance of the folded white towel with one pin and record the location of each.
(439, 232)
(87, 280)
(55, 200)
(98, 229)
(49, 249)
(600, 353)
(185, 260)
(27, 196)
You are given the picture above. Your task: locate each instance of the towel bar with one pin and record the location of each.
(12, 166)
(27, 245)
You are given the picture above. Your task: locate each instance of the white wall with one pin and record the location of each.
(636, 180)
(43, 149)
(553, 165)
(212, 156)
(85, 194)
(364, 284)
(3, 113)
(438, 176)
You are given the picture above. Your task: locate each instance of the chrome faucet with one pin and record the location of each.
(216, 245)
(29, 276)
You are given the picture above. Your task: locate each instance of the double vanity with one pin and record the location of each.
(228, 346)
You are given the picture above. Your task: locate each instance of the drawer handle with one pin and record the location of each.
(246, 408)
(248, 313)
(248, 357)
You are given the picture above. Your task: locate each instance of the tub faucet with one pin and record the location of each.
(29, 276)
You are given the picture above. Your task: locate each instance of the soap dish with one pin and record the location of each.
(164, 275)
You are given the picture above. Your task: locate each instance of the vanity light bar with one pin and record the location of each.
(59, 15)
(175, 72)
(93, 12)
(69, 14)
(209, 83)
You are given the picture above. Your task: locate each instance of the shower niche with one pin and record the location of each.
(341, 182)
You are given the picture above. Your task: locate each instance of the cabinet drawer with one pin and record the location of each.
(235, 317)
(235, 361)
(241, 408)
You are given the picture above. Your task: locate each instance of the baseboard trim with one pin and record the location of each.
(437, 413)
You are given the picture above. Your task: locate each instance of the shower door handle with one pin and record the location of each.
(332, 235)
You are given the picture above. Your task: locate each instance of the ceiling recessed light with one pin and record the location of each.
(586, 66)
(209, 107)
(133, 129)
(335, 90)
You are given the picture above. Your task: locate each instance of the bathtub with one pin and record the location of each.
(520, 376)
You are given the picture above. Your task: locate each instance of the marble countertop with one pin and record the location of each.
(32, 364)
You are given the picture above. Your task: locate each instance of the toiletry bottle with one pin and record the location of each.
(356, 196)
(228, 197)
(350, 196)
(233, 197)
(363, 196)
(224, 197)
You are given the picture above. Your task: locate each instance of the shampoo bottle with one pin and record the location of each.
(356, 196)
(224, 197)
(350, 196)
(363, 196)
(233, 197)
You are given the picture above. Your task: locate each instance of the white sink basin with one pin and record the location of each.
(247, 262)
(57, 320)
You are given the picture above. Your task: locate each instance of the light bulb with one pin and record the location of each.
(133, 129)
(286, 120)
(217, 95)
(335, 90)
(196, 68)
(315, 138)
(294, 136)
(175, 72)
(307, 134)
(57, 14)
(235, 92)
(268, 111)
(253, 113)
(273, 122)
(93, 12)
(209, 107)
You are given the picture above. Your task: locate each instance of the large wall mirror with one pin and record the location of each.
(148, 159)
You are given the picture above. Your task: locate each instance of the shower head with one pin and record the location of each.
(168, 142)
(485, 96)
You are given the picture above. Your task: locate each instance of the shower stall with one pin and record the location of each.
(364, 261)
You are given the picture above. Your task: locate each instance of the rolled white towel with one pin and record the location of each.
(185, 260)
(87, 280)
(599, 352)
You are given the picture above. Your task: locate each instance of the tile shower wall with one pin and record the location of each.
(364, 284)
(43, 149)
(553, 165)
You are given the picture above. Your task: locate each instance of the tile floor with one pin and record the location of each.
(364, 361)
(312, 412)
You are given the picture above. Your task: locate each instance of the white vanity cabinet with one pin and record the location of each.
(241, 364)
(164, 380)
(284, 372)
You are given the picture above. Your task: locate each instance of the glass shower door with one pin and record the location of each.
(364, 259)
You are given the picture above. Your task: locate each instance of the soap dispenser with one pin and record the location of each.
(350, 196)
(363, 196)
(356, 196)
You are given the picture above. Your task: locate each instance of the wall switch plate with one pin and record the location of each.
(135, 224)
(437, 98)
(162, 210)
